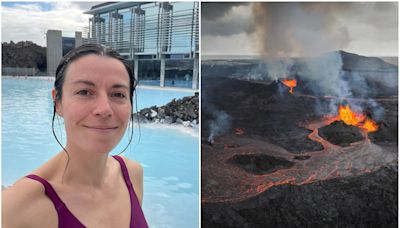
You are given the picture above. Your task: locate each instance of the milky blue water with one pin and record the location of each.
(169, 156)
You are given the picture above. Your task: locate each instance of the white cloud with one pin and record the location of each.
(227, 35)
(32, 7)
(86, 5)
(237, 44)
(30, 22)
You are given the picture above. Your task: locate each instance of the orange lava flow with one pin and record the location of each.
(291, 83)
(332, 162)
(360, 120)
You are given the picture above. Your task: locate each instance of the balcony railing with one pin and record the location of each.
(134, 32)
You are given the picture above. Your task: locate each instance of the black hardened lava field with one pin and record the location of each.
(300, 148)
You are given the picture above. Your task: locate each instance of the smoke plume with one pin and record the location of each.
(219, 125)
(297, 29)
(326, 72)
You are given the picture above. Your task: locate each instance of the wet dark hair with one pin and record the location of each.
(73, 55)
(84, 50)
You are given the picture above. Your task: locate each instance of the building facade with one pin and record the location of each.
(160, 39)
(58, 46)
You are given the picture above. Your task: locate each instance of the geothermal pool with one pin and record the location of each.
(170, 156)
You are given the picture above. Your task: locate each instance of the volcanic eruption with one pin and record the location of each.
(279, 146)
(324, 157)
(360, 120)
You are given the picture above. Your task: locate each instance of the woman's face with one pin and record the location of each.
(95, 103)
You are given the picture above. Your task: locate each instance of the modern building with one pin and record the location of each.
(160, 39)
(58, 46)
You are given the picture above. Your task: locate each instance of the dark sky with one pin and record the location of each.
(293, 29)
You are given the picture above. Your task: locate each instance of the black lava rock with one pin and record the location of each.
(341, 134)
(183, 111)
(260, 163)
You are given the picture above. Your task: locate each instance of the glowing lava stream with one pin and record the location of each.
(331, 162)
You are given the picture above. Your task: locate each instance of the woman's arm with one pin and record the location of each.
(25, 205)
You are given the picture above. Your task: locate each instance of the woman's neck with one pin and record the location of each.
(83, 168)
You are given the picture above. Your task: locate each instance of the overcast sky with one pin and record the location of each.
(239, 28)
(22, 21)
(296, 29)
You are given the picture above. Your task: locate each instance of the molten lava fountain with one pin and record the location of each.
(291, 83)
(360, 120)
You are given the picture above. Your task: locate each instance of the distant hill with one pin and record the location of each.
(391, 59)
(23, 54)
(257, 68)
(354, 62)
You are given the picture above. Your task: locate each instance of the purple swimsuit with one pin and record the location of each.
(67, 220)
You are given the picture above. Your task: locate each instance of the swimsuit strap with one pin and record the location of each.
(65, 218)
(49, 190)
(136, 210)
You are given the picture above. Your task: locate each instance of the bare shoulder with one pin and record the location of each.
(24, 204)
(136, 175)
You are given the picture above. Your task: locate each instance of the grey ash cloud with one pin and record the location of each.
(215, 10)
(220, 19)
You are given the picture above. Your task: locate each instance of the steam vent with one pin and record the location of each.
(300, 153)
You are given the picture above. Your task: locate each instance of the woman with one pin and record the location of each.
(82, 186)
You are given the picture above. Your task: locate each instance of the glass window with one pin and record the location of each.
(149, 72)
(178, 73)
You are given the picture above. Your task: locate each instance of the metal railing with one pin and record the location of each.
(134, 32)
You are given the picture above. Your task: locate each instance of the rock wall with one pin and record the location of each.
(183, 111)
